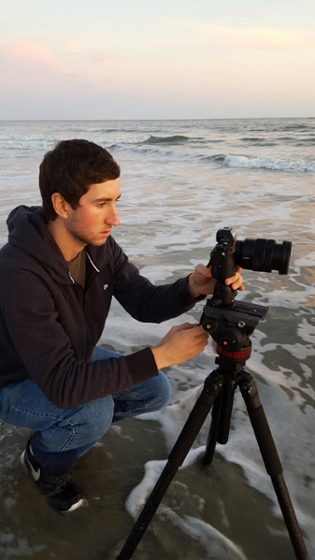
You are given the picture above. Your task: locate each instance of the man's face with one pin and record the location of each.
(91, 222)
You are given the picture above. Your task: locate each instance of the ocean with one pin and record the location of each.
(181, 182)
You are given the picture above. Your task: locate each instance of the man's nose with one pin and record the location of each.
(113, 218)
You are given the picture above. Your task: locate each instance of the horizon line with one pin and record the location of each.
(155, 119)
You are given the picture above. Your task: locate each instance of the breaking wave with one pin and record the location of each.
(166, 140)
(252, 162)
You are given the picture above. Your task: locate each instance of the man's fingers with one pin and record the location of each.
(236, 281)
(184, 327)
(180, 344)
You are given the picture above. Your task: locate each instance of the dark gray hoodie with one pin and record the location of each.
(49, 325)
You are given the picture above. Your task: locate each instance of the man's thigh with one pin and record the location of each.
(24, 404)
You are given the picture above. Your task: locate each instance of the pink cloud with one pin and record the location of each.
(28, 57)
(29, 50)
(33, 67)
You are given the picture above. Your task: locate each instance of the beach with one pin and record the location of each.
(182, 181)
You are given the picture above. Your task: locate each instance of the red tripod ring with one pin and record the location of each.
(242, 355)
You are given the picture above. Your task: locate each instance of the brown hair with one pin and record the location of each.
(70, 168)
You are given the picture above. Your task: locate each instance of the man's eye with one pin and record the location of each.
(101, 204)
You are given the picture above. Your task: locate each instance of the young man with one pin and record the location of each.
(58, 273)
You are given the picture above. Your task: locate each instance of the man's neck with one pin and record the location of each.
(69, 246)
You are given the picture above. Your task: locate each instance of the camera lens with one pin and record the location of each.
(263, 255)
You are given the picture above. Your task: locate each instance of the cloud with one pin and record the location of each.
(33, 67)
(254, 38)
(29, 54)
(33, 71)
(74, 47)
(28, 66)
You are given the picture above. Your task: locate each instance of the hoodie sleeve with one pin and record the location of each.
(35, 344)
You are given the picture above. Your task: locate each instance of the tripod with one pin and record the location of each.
(230, 327)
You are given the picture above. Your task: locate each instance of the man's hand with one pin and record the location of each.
(200, 282)
(180, 344)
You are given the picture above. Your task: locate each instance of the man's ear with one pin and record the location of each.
(61, 206)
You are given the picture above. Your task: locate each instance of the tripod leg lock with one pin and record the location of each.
(212, 387)
(249, 391)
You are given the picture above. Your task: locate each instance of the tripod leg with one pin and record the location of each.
(272, 462)
(221, 414)
(213, 432)
(212, 388)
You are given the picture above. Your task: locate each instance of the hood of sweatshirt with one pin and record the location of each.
(28, 231)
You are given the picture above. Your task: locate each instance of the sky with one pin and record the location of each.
(171, 59)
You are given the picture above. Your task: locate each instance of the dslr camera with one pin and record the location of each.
(229, 323)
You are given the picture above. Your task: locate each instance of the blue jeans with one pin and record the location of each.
(63, 435)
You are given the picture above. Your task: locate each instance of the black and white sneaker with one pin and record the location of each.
(66, 494)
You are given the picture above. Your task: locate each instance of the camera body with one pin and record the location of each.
(231, 324)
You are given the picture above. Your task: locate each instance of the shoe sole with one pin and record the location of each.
(57, 506)
(79, 504)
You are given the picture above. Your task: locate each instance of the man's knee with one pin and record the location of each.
(161, 392)
(93, 419)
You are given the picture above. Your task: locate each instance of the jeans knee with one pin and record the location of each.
(161, 392)
(94, 419)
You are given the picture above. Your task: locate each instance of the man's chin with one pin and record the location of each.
(99, 242)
